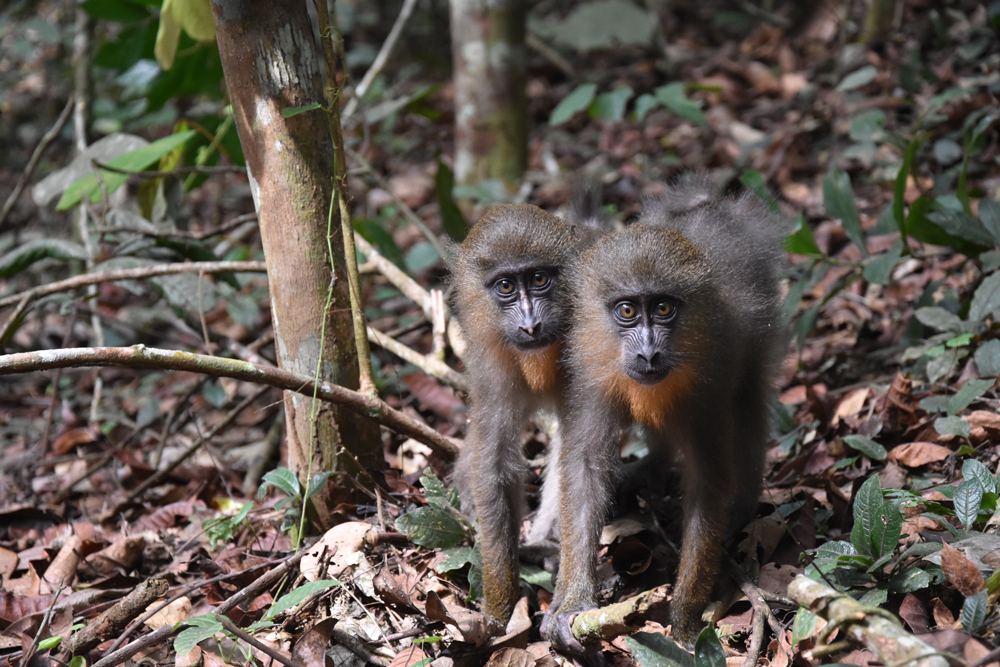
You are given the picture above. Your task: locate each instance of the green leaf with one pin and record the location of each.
(867, 125)
(654, 650)
(989, 215)
(970, 392)
(136, 160)
(451, 216)
(576, 101)
(804, 625)
(939, 319)
(49, 643)
(879, 268)
(959, 341)
(886, 529)
(899, 187)
(604, 24)
(922, 228)
(375, 234)
(909, 581)
(952, 426)
(858, 78)
(432, 527)
(283, 479)
(458, 557)
(866, 507)
(643, 105)
(986, 300)
(537, 576)
(962, 225)
(838, 197)
(754, 181)
(293, 598)
(875, 597)
(435, 489)
(288, 112)
(866, 446)
(974, 611)
(611, 106)
(420, 256)
(968, 497)
(30, 252)
(973, 469)
(199, 629)
(801, 240)
(672, 96)
(708, 651)
(987, 358)
(318, 482)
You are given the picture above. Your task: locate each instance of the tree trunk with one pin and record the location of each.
(491, 106)
(271, 62)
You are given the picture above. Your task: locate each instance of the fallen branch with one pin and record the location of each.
(881, 635)
(86, 279)
(140, 356)
(618, 619)
(429, 365)
(117, 617)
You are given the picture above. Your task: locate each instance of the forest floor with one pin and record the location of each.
(890, 374)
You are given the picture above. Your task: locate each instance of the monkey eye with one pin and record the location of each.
(626, 311)
(539, 279)
(664, 309)
(504, 286)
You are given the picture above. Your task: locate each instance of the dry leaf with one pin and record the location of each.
(511, 657)
(975, 651)
(850, 405)
(960, 571)
(175, 612)
(942, 615)
(310, 649)
(916, 454)
(122, 554)
(408, 656)
(333, 554)
(913, 611)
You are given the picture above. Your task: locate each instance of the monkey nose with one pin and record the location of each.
(531, 328)
(649, 358)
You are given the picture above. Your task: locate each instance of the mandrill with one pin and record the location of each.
(676, 327)
(511, 301)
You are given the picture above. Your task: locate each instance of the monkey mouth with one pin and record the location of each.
(525, 343)
(647, 376)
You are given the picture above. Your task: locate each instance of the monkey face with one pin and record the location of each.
(526, 296)
(645, 324)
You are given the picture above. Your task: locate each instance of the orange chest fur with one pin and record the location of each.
(650, 405)
(540, 369)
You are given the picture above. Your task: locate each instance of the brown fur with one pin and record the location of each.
(541, 369)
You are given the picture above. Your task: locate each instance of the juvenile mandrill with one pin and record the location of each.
(510, 297)
(677, 326)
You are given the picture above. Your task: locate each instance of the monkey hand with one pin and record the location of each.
(557, 627)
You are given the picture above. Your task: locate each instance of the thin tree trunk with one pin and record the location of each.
(271, 62)
(491, 106)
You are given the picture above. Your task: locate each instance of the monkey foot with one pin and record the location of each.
(557, 627)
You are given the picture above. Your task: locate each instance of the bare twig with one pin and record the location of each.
(357, 647)
(86, 279)
(403, 208)
(47, 139)
(553, 56)
(8, 325)
(182, 233)
(126, 652)
(429, 365)
(117, 617)
(140, 356)
(410, 288)
(259, 645)
(381, 59)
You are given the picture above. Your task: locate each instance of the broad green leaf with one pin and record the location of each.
(909, 580)
(30, 252)
(952, 426)
(654, 650)
(199, 629)
(899, 187)
(643, 105)
(289, 112)
(875, 597)
(604, 24)
(121, 11)
(879, 268)
(867, 125)
(959, 341)
(537, 576)
(136, 160)
(989, 215)
(987, 358)
(576, 101)
(939, 319)
(922, 228)
(857, 78)
(458, 557)
(283, 479)
(293, 598)
(375, 234)
(970, 392)
(973, 469)
(968, 497)
(986, 300)
(435, 488)
(974, 611)
(420, 256)
(946, 151)
(866, 507)
(804, 625)
(432, 527)
(962, 225)
(801, 240)
(672, 96)
(318, 482)
(708, 651)
(754, 181)
(451, 216)
(49, 643)
(866, 446)
(838, 197)
(886, 529)
(611, 106)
